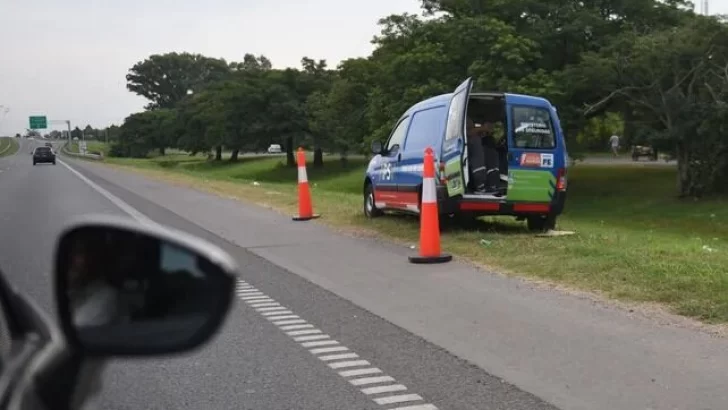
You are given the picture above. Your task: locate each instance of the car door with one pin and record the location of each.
(386, 191)
(454, 148)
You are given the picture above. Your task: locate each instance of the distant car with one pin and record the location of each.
(49, 145)
(44, 155)
(275, 149)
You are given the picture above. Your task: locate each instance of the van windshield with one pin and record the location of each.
(532, 128)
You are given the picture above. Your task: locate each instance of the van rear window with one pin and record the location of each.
(532, 128)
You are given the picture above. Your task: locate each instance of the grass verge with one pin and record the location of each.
(635, 241)
(8, 146)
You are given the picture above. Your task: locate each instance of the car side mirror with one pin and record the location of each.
(376, 147)
(126, 289)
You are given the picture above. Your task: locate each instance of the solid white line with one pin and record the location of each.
(115, 200)
(417, 407)
(276, 313)
(371, 380)
(307, 338)
(303, 332)
(360, 372)
(320, 343)
(274, 318)
(398, 399)
(339, 356)
(295, 327)
(329, 349)
(270, 309)
(350, 363)
(290, 322)
(390, 388)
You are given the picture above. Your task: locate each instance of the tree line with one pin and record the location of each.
(653, 71)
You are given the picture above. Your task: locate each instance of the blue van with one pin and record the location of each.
(532, 158)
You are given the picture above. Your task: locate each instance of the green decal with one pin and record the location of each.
(531, 185)
(454, 173)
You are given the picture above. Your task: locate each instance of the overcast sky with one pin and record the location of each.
(67, 59)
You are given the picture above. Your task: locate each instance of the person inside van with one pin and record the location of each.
(483, 157)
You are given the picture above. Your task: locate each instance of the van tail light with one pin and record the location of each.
(561, 181)
(443, 176)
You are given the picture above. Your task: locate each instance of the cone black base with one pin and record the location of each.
(306, 218)
(422, 260)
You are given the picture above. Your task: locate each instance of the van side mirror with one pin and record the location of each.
(376, 147)
(127, 289)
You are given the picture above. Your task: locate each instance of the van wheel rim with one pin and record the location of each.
(370, 203)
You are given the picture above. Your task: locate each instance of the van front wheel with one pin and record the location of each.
(541, 223)
(370, 209)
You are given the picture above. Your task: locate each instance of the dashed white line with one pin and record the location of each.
(357, 371)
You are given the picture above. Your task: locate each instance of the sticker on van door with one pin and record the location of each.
(535, 160)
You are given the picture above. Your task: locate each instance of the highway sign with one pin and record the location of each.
(39, 122)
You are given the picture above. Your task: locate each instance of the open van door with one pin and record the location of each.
(455, 148)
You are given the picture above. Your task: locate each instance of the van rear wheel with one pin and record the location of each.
(541, 223)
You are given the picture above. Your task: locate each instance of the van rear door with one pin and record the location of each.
(454, 148)
(535, 151)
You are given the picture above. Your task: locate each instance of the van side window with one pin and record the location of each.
(426, 130)
(396, 140)
(532, 128)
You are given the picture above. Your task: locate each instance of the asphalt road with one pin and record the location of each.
(252, 364)
(395, 335)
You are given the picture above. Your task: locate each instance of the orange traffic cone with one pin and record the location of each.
(429, 219)
(305, 208)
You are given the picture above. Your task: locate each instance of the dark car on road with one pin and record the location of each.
(44, 155)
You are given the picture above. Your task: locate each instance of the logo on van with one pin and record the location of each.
(530, 160)
(537, 160)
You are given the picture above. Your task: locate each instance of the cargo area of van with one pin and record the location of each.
(489, 108)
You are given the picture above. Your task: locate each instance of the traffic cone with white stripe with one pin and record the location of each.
(305, 207)
(429, 217)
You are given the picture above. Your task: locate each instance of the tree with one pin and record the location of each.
(677, 80)
(89, 132)
(167, 78)
(77, 133)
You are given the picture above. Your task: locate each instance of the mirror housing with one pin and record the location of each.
(127, 289)
(377, 147)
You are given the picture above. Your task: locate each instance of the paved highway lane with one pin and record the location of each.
(320, 352)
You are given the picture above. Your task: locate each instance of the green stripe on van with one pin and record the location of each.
(530, 185)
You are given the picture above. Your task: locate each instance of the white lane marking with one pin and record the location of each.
(391, 388)
(398, 399)
(371, 380)
(290, 322)
(350, 363)
(339, 356)
(360, 372)
(417, 407)
(304, 332)
(295, 327)
(115, 200)
(307, 338)
(329, 349)
(270, 315)
(274, 318)
(318, 343)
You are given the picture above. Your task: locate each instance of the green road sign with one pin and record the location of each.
(38, 122)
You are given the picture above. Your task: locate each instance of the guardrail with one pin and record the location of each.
(95, 157)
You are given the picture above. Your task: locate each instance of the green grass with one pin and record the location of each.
(8, 146)
(634, 240)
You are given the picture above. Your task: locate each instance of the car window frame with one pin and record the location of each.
(387, 149)
(413, 119)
